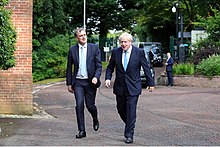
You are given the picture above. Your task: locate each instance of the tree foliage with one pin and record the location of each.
(150, 20)
(49, 20)
(212, 25)
(156, 21)
(211, 45)
(7, 38)
(49, 61)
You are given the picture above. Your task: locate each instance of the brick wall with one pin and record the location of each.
(192, 81)
(16, 83)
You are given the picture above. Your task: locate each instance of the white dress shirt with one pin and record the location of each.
(79, 75)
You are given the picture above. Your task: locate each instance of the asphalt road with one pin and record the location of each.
(169, 116)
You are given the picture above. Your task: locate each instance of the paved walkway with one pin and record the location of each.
(175, 116)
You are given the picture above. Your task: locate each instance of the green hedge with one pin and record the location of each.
(183, 69)
(49, 61)
(7, 38)
(209, 67)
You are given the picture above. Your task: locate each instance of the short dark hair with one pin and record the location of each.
(78, 30)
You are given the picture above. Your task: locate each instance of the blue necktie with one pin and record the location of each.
(125, 60)
(83, 62)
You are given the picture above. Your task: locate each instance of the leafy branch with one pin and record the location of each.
(7, 38)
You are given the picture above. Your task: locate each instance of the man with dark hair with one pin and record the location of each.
(84, 79)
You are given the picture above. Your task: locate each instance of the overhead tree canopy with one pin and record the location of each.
(49, 20)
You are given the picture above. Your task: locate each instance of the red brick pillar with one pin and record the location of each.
(16, 83)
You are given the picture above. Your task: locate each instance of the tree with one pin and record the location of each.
(101, 16)
(212, 25)
(49, 20)
(106, 15)
(156, 22)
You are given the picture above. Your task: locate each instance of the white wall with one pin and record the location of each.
(197, 35)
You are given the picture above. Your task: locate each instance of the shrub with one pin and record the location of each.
(209, 67)
(49, 61)
(7, 38)
(183, 69)
(205, 48)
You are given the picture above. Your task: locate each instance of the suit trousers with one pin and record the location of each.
(126, 106)
(84, 93)
(170, 77)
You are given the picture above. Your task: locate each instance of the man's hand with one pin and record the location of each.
(70, 89)
(94, 80)
(107, 83)
(150, 88)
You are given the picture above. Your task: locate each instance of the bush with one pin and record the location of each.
(183, 69)
(209, 67)
(205, 48)
(7, 38)
(210, 45)
(49, 61)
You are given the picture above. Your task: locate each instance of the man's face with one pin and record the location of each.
(81, 37)
(125, 43)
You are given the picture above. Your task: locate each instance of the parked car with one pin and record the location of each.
(143, 78)
(157, 51)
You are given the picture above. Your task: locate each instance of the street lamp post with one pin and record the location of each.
(69, 23)
(84, 14)
(181, 27)
(175, 10)
(180, 46)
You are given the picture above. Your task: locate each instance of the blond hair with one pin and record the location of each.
(126, 35)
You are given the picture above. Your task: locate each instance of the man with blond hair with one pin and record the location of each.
(127, 61)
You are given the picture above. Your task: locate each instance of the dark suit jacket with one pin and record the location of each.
(169, 67)
(93, 61)
(130, 77)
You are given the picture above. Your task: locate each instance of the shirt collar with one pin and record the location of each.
(85, 45)
(129, 50)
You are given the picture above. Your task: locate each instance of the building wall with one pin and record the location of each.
(16, 83)
(197, 35)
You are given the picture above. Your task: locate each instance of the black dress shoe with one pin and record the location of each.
(129, 140)
(96, 125)
(81, 134)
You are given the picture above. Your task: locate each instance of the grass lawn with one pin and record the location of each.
(47, 81)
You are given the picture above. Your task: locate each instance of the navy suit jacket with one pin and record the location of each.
(169, 65)
(131, 77)
(93, 62)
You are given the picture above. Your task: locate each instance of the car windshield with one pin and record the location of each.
(156, 50)
(146, 46)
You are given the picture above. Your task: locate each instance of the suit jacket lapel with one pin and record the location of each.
(77, 54)
(88, 53)
(131, 56)
(120, 57)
